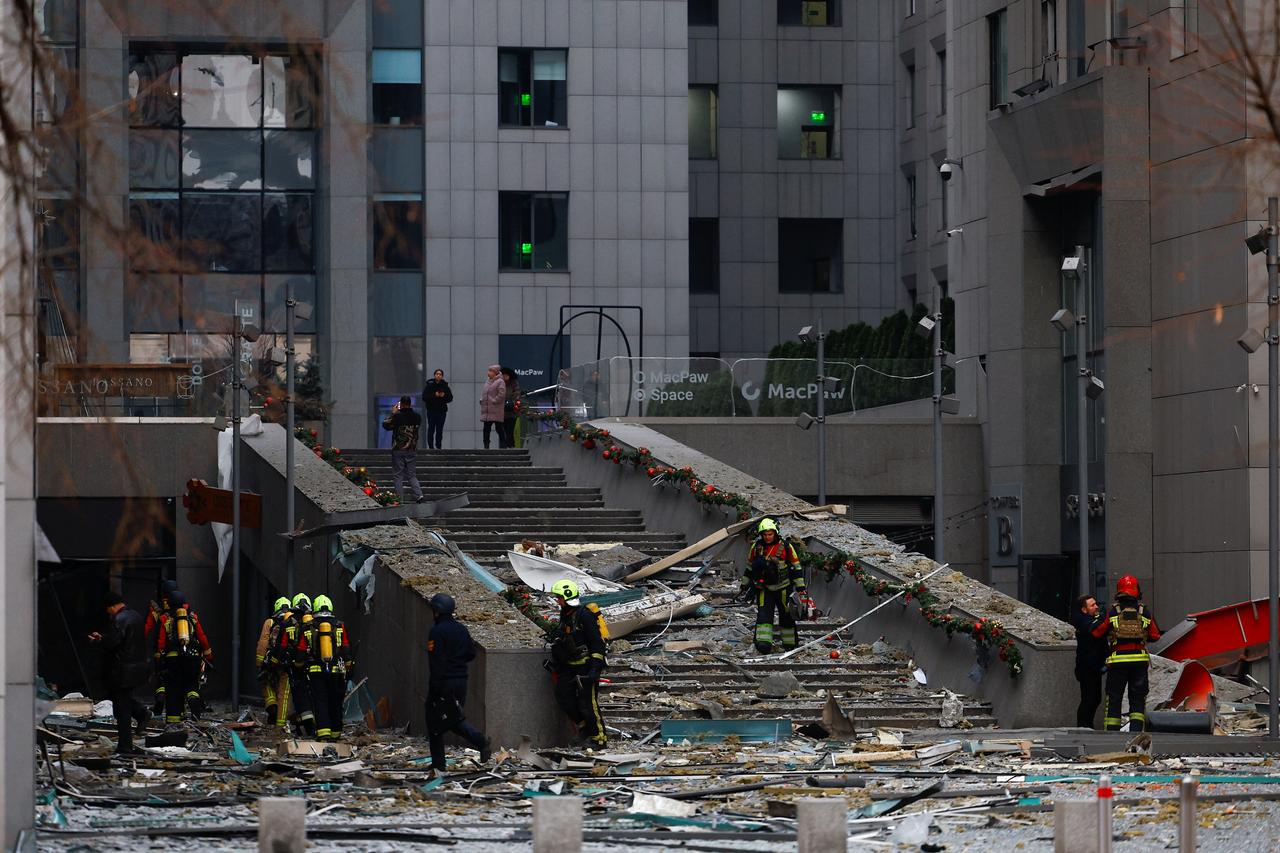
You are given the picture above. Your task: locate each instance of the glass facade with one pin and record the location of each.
(222, 177)
(222, 171)
(57, 216)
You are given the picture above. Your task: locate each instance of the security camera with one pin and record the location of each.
(948, 168)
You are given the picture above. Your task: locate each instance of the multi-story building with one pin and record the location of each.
(1120, 128)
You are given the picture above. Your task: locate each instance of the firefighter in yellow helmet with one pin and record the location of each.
(272, 672)
(291, 656)
(326, 649)
(773, 574)
(577, 661)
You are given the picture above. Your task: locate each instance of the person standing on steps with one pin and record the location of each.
(492, 401)
(510, 407)
(436, 397)
(404, 424)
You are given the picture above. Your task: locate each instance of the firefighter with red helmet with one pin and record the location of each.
(182, 650)
(1128, 628)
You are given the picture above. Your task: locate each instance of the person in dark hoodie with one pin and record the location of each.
(436, 397)
(124, 668)
(450, 651)
(1091, 652)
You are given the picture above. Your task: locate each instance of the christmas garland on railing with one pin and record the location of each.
(589, 438)
(359, 476)
(986, 633)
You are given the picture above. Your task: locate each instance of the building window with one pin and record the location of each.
(810, 254)
(808, 13)
(912, 230)
(396, 23)
(533, 231)
(532, 88)
(704, 13)
(942, 82)
(222, 177)
(704, 255)
(1184, 34)
(397, 86)
(1049, 38)
(911, 96)
(808, 123)
(998, 60)
(398, 231)
(910, 6)
(702, 122)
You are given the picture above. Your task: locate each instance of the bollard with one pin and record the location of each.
(1105, 794)
(282, 825)
(1075, 826)
(557, 825)
(822, 825)
(1187, 813)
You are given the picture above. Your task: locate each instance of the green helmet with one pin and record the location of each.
(302, 601)
(322, 604)
(281, 603)
(767, 524)
(566, 590)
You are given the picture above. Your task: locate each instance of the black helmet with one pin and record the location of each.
(177, 598)
(443, 603)
(169, 585)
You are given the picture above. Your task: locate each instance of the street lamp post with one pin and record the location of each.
(1273, 465)
(804, 420)
(1266, 240)
(1075, 268)
(296, 311)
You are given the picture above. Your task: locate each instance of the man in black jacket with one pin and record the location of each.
(404, 423)
(124, 668)
(450, 651)
(1091, 652)
(436, 398)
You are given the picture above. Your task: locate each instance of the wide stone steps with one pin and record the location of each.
(876, 693)
(511, 499)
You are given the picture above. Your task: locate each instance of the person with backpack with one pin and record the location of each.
(773, 574)
(577, 661)
(273, 673)
(183, 649)
(1129, 626)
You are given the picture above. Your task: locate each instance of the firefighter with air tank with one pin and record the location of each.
(315, 647)
(1128, 628)
(774, 580)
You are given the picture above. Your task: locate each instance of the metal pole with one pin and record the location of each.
(939, 517)
(822, 420)
(1273, 461)
(1187, 815)
(1082, 415)
(1105, 794)
(290, 367)
(236, 384)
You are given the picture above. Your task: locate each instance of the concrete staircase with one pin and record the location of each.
(878, 693)
(512, 499)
